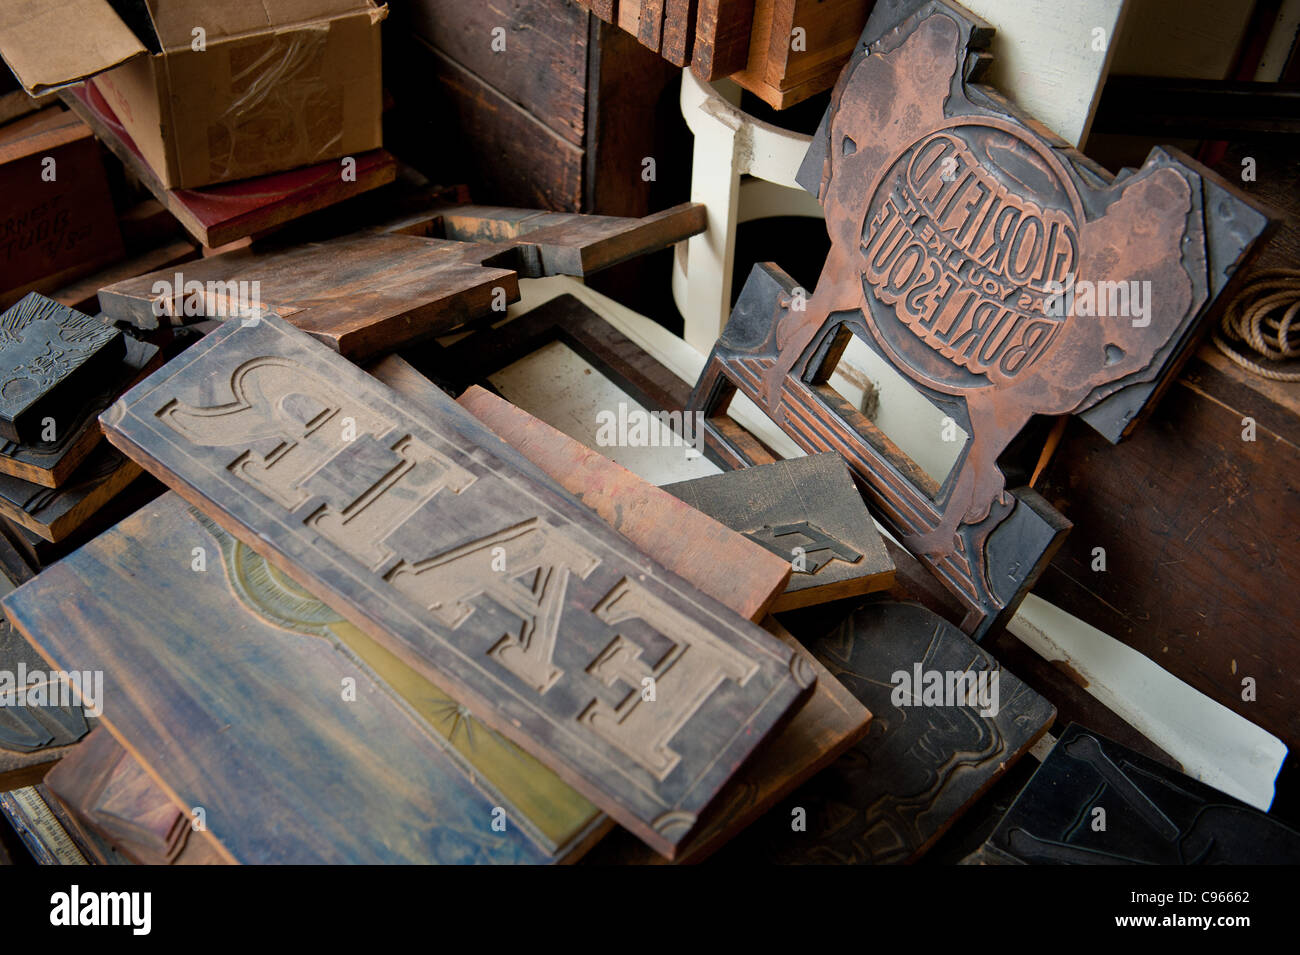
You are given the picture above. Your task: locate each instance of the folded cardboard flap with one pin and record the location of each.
(50, 44)
(54, 43)
(176, 20)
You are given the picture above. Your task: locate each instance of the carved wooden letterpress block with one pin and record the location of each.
(53, 513)
(32, 737)
(48, 353)
(386, 287)
(947, 722)
(722, 563)
(51, 463)
(808, 512)
(1002, 274)
(331, 723)
(1095, 802)
(424, 529)
(111, 793)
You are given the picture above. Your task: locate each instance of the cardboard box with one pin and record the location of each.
(213, 92)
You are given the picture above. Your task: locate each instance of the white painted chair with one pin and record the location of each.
(730, 145)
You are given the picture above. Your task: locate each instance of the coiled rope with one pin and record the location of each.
(1264, 315)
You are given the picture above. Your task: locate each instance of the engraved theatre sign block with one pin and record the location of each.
(471, 565)
(1002, 275)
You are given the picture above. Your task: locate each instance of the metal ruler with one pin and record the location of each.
(39, 829)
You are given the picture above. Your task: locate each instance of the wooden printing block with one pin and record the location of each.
(396, 514)
(933, 748)
(32, 737)
(49, 831)
(722, 34)
(110, 792)
(537, 802)
(39, 552)
(356, 758)
(741, 574)
(831, 722)
(384, 289)
(1095, 802)
(48, 355)
(956, 224)
(54, 513)
(697, 546)
(51, 463)
(808, 512)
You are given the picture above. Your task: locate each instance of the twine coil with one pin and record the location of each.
(1264, 317)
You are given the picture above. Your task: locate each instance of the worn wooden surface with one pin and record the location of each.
(907, 276)
(831, 722)
(58, 221)
(718, 560)
(1094, 802)
(49, 354)
(424, 275)
(489, 126)
(52, 463)
(566, 320)
(556, 243)
(550, 652)
(588, 97)
(83, 294)
(679, 31)
(543, 66)
(752, 41)
(305, 757)
(1199, 531)
(922, 764)
(217, 215)
(722, 29)
(808, 512)
(32, 738)
(112, 794)
(38, 551)
(54, 513)
(360, 295)
(781, 75)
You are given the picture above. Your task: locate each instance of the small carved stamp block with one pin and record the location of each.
(49, 356)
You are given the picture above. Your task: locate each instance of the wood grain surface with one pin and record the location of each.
(809, 512)
(722, 563)
(362, 495)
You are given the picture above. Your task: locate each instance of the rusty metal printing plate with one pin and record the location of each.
(954, 223)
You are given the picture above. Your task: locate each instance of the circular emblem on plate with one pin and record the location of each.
(970, 236)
